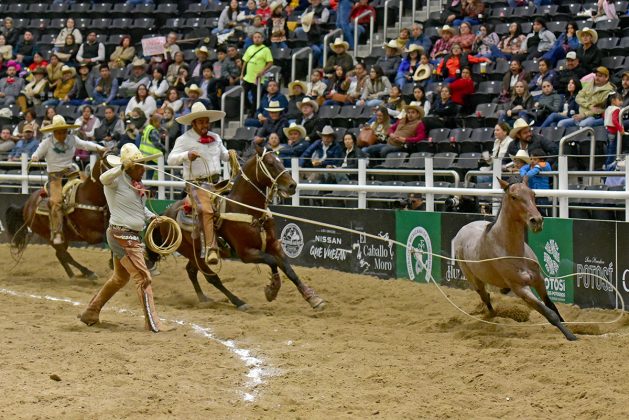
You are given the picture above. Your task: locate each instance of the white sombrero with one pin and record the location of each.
(129, 153)
(447, 28)
(308, 101)
(338, 42)
(415, 47)
(291, 87)
(193, 87)
(295, 127)
(198, 110)
(274, 106)
(306, 21)
(58, 123)
(519, 125)
(393, 45)
(202, 49)
(522, 155)
(590, 31)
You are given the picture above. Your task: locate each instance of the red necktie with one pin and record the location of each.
(206, 140)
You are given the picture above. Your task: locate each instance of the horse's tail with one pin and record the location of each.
(17, 229)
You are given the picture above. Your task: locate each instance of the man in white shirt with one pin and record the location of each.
(126, 199)
(58, 150)
(201, 152)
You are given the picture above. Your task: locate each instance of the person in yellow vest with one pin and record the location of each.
(150, 142)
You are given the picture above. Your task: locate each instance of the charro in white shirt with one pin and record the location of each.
(210, 158)
(59, 155)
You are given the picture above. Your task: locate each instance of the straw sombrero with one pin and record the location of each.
(193, 87)
(202, 49)
(291, 87)
(447, 28)
(417, 107)
(415, 47)
(58, 123)
(393, 45)
(338, 42)
(590, 31)
(519, 125)
(308, 101)
(306, 21)
(138, 62)
(68, 69)
(522, 155)
(129, 153)
(295, 127)
(274, 106)
(198, 110)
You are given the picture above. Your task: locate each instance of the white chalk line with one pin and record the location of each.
(256, 375)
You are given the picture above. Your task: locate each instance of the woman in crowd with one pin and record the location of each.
(567, 41)
(545, 104)
(337, 88)
(377, 87)
(588, 53)
(142, 100)
(395, 104)
(171, 126)
(485, 39)
(6, 50)
(276, 26)
(173, 68)
(570, 105)
(465, 38)
(228, 19)
(69, 29)
(38, 62)
(462, 87)
(409, 65)
(123, 54)
(67, 53)
(498, 152)
(172, 101)
(88, 123)
(381, 125)
(158, 87)
(442, 112)
(546, 74)
(520, 104)
(510, 43)
(419, 95)
(48, 116)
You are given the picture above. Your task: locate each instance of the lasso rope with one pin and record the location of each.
(420, 252)
(172, 241)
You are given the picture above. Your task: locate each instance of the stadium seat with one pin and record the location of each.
(444, 160)
(417, 160)
(393, 160)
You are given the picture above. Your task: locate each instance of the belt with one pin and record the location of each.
(202, 180)
(124, 228)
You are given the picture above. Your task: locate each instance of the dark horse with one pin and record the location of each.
(482, 240)
(253, 240)
(86, 223)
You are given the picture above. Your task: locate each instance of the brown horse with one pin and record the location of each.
(482, 240)
(254, 240)
(87, 223)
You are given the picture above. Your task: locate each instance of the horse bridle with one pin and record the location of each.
(272, 190)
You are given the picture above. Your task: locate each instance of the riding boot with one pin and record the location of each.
(118, 279)
(55, 211)
(211, 248)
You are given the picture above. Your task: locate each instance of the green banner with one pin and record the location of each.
(159, 206)
(422, 231)
(553, 247)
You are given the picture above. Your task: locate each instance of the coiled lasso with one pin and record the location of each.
(172, 241)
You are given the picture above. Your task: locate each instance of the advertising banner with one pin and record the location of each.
(419, 231)
(594, 257)
(553, 248)
(159, 206)
(451, 223)
(622, 268)
(315, 246)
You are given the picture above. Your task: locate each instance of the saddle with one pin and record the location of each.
(186, 219)
(69, 197)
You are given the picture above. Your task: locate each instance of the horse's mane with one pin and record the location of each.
(515, 179)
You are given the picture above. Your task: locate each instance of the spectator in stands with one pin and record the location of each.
(228, 19)
(91, 52)
(25, 49)
(173, 69)
(134, 124)
(471, 13)
(264, 11)
(245, 17)
(151, 141)
(377, 87)
(403, 134)
(424, 70)
(6, 50)
(35, 91)
(591, 100)
(225, 74)
(360, 7)
(48, 116)
(204, 83)
(6, 140)
(309, 109)
(193, 94)
(546, 74)
(53, 71)
(106, 87)
(10, 33)
(530, 174)
(296, 144)
(510, 44)
(10, 86)
(605, 10)
(340, 56)
(350, 155)
(64, 87)
(419, 95)
(573, 70)
(501, 143)
(442, 112)
(381, 124)
(613, 124)
(570, 105)
(123, 54)
(202, 59)
(257, 60)
(443, 44)
(419, 38)
(589, 55)
(545, 104)
(357, 77)
(296, 94)
(403, 38)
(312, 19)
(567, 41)
(28, 144)
(172, 127)
(83, 88)
(158, 86)
(451, 65)
(465, 37)
(110, 130)
(256, 26)
(485, 39)
(515, 74)
(624, 91)
(170, 49)
(273, 143)
(172, 101)
(30, 118)
(524, 139)
(69, 29)
(390, 62)
(67, 53)
(88, 123)
(277, 27)
(520, 104)
(322, 153)
(395, 104)
(273, 94)
(142, 100)
(38, 62)
(316, 87)
(181, 81)
(539, 41)
(129, 87)
(275, 123)
(462, 87)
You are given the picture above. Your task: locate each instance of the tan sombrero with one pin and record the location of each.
(274, 106)
(415, 47)
(58, 123)
(129, 153)
(202, 49)
(291, 87)
(138, 62)
(338, 42)
(306, 21)
(417, 107)
(198, 110)
(590, 31)
(295, 127)
(68, 69)
(519, 125)
(308, 101)
(393, 45)
(193, 87)
(522, 155)
(447, 28)
(327, 131)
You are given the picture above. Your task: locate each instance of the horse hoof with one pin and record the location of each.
(91, 276)
(270, 293)
(571, 337)
(316, 303)
(244, 307)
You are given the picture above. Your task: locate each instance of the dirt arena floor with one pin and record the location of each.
(380, 349)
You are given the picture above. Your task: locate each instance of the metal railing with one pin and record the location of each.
(400, 15)
(590, 132)
(231, 92)
(326, 42)
(372, 18)
(387, 6)
(293, 70)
